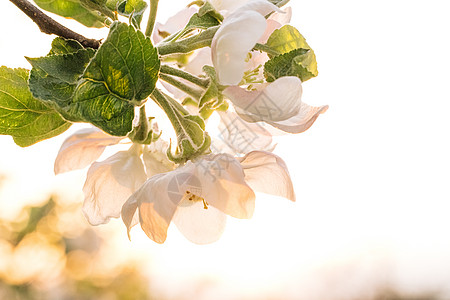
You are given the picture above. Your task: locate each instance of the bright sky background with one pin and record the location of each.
(371, 175)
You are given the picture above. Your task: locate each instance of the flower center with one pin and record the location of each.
(193, 197)
(251, 77)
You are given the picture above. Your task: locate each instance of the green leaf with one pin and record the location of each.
(200, 22)
(22, 116)
(204, 19)
(102, 90)
(299, 62)
(208, 8)
(75, 10)
(64, 46)
(126, 64)
(286, 39)
(53, 78)
(134, 9)
(296, 59)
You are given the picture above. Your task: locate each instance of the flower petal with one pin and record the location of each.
(156, 209)
(223, 185)
(199, 59)
(155, 158)
(130, 216)
(276, 21)
(267, 173)
(284, 17)
(215, 181)
(109, 184)
(229, 5)
(271, 27)
(302, 121)
(231, 44)
(82, 148)
(199, 225)
(158, 199)
(242, 136)
(276, 101)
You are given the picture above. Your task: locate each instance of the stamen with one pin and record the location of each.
(193, 197)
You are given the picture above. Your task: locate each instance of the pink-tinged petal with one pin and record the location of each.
(223, 185)
(231, 44)
(284, 17)
(271, 27)
(276, 21)
(198, 60)
(267, 173)
(276, 101)
(199, 225)
(130, 215)
(82, 148)
(109, 184)
(159, 197)
(302, 121)
(155, 158)
(173, 24)
(241, 136)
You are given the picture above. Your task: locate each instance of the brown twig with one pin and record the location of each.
(49, 26)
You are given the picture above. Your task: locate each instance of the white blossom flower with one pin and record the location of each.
(109, 183)
(82, 148)
(197, 194)
(278, 103)
(236, 36)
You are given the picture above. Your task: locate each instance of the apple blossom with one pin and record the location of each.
(220, 181)
(231, 44)
(278, 104)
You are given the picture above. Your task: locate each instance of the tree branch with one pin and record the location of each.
(49, 26)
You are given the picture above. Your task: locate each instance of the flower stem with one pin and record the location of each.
(176, 104)
(181, 86)
(151, 17)
(162, 102)
(189, 44)
(141, 132)
(185, 75)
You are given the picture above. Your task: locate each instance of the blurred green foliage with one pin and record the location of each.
(41, 260)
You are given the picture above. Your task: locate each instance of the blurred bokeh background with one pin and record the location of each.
(372, 175)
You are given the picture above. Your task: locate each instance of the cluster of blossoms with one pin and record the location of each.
(143, 186)
(237, 60)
